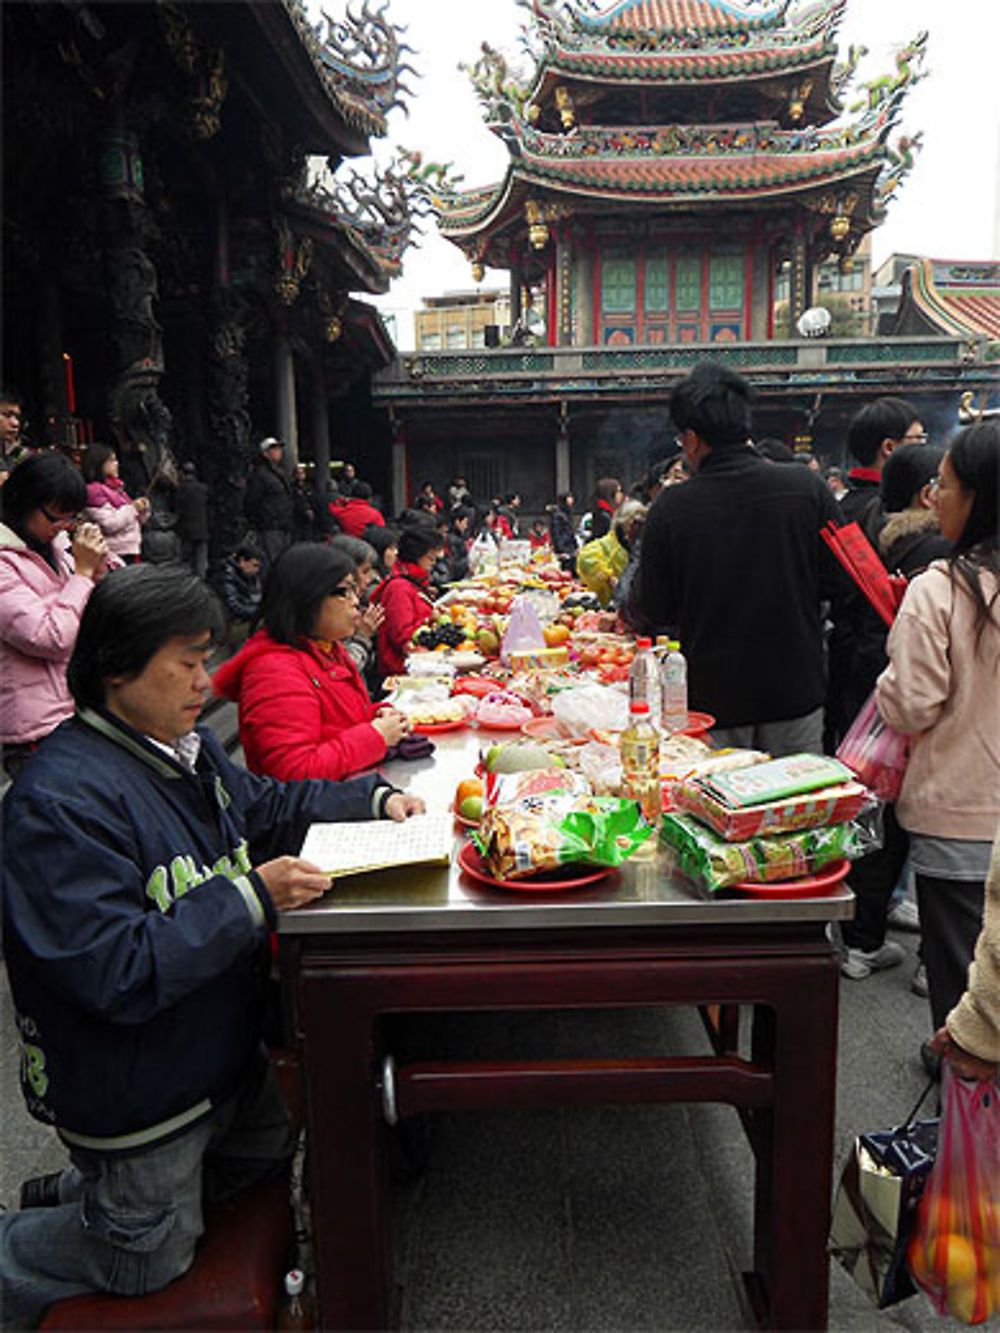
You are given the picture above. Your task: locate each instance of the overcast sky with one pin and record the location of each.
(947, 208)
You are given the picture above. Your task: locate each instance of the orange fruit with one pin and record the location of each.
(953, 1257)
(468, 787)
(970, 1301)
(555, 634)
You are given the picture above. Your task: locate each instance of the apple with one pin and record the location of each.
(471, 808)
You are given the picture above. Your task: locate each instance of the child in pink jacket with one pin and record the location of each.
(118, 516)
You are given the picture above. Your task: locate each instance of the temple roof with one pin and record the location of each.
(358, 61)
(676, 168)
(952, 296)
(680, 41)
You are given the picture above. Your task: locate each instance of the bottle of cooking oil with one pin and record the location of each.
(640, 747)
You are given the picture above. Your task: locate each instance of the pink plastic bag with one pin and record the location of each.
(876, 753)
(954, 1253)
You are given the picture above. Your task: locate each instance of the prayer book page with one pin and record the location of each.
(374, 844)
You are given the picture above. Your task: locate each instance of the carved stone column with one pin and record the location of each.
(140, 419)
(227, 453)
(562, 452)
(320, 429)
(400, 465)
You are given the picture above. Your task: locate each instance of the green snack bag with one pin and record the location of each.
(542, 832)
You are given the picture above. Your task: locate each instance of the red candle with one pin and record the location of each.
(70, 391)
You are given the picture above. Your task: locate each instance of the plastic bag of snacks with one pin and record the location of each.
(711, 863)
(542, 832)
(954, 1252)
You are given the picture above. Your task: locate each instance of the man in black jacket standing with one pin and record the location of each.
(192, 519)
(268, 504)
(733, 564)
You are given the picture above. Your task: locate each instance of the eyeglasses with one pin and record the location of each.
(60, 520)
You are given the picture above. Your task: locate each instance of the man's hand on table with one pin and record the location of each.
(292, 882)
(400, 806)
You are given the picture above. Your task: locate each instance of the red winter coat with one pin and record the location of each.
(354, 515)
(407, 607)
(303, 713)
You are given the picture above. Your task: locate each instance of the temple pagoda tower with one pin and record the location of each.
(666, 156)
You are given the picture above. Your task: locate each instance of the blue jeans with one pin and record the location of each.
(129, 1223)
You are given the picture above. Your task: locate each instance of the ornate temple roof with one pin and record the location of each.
(359, 61)
(681, 42)
(677, 168)
(949, 296)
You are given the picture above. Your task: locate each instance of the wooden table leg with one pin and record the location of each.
(795, 1148)
(346, 1157)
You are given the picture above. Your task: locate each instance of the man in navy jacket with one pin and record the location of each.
(142, 873)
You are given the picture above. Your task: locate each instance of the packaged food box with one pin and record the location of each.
(711, 863)
(831, 805)
(534, 659)
(789, 776)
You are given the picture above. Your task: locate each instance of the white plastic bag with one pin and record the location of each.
(590, 706)
(524, 631)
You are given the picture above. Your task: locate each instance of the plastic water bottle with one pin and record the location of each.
(295, 1313)
(640, 747)
(644, 680)
(674, 712)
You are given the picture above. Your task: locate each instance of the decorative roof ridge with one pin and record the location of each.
(569, 35)
(730, 14)
(728, 137)
(358, 60)
(939, 304)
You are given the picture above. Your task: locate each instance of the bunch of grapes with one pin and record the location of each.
(449, 635)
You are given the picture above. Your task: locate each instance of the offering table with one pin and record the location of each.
(428, 939)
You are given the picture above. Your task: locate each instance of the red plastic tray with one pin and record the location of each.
(548, 881)
(809, 886)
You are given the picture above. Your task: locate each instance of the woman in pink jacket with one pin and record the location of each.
(119, 517)
(45, 580)
(304, 710)
(942, 689)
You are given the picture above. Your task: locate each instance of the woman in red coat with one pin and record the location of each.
(303, 708)
(405, 595)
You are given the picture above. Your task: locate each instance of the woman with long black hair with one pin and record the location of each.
(942, 689)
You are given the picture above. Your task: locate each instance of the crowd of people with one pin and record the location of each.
(123, 805)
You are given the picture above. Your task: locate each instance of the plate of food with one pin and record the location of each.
(541, 728)
(430, 728)
(558, 880)
(698, 724)
(808, 886)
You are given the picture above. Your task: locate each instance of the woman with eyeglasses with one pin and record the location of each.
(942, 689)
(46, 576)
(304, 711)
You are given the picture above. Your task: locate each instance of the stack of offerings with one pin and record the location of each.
(781, 819)
(543, 819)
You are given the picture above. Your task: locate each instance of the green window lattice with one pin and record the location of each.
(618, 284)
(657, 283)
(688, 280)
(725, 282)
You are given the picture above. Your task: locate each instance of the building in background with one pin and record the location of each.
(461, 320)
(667, 160)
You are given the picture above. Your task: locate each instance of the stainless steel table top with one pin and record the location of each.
(436, 898)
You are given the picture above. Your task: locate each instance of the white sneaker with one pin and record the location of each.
(903, 915)
(858, 964)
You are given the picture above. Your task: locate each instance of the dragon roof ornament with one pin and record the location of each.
(360, 61)
(382, 212)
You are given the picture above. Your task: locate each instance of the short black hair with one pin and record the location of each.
(907, 471)
(884, 419)
(10, 395)
(715, 403)
(92, 465)
(417, 540)
(380, 539)
(360, 490)
(296, 586)
(47, 478)
(128, 618)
